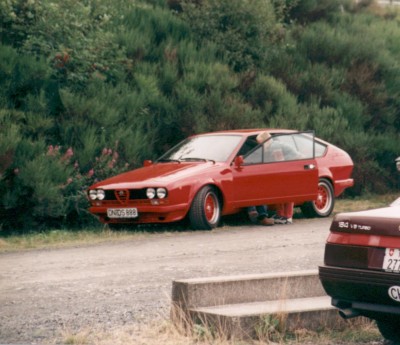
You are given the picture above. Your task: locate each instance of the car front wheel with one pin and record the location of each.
(389, 329)
(205, 212)
(323, 205)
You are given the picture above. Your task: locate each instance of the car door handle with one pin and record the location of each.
(309, 167)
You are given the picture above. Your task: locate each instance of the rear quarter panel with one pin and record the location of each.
(337, 166)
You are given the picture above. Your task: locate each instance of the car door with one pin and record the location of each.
(277, 171)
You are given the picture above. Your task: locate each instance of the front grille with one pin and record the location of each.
(123, 195)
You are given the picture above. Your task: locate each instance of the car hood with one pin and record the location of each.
(158, 174)
(382, 221)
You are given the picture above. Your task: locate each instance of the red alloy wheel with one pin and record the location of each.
(211, 207)
(323, 205)
(322, 197)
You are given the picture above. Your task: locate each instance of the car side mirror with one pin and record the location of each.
(238, 161)
(147, 163)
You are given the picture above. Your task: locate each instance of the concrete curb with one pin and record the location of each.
(241, 306)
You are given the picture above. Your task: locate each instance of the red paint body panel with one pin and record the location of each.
(263, 184)
(376, 225)
(337, 166)
(238, 186)
(365, 240)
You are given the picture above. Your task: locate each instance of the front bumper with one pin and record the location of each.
(147, 214)
(365, 291)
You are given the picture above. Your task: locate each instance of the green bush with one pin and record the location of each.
(305, 11)
(91, 89)
(48, 188)
(279, 107)
(9, 138)
(242, 30)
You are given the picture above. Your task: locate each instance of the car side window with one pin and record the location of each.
(255, 156)
(248, 145)
(279, 148)
(304, 145)
(251, 151)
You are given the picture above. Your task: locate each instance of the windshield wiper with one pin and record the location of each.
(165, 160)
(194, 159)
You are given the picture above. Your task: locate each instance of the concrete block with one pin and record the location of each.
(242, 306)
(211, 291)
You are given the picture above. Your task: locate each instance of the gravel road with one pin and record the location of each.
(43, 292)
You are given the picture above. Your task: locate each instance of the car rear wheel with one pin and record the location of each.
(323, 205)
(205, 212)
(389, 329)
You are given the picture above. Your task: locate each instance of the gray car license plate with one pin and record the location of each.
(122, 212)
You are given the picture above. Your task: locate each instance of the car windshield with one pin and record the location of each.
(203, 148)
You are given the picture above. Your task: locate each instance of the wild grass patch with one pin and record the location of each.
(364, 203)
(64, 238)
(164, 332)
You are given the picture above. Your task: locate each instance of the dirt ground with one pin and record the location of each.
(44, 293)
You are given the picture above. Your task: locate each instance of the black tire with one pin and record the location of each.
(205, 212)
(389, 329)
(324, 204)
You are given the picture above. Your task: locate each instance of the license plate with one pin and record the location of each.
(391, 261)
(122, 212)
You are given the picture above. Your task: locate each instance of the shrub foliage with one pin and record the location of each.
(91, 89)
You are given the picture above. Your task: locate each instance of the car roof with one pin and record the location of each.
(250, 131)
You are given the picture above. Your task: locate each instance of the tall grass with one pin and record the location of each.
(164, 332)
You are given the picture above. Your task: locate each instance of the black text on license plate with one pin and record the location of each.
(391, 261)
(122, 213)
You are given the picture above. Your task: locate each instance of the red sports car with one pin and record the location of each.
(211, 175)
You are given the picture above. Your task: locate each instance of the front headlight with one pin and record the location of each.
(101, 194)
(97, 194)
(161, 193)
(93, 194)
(150, 193)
